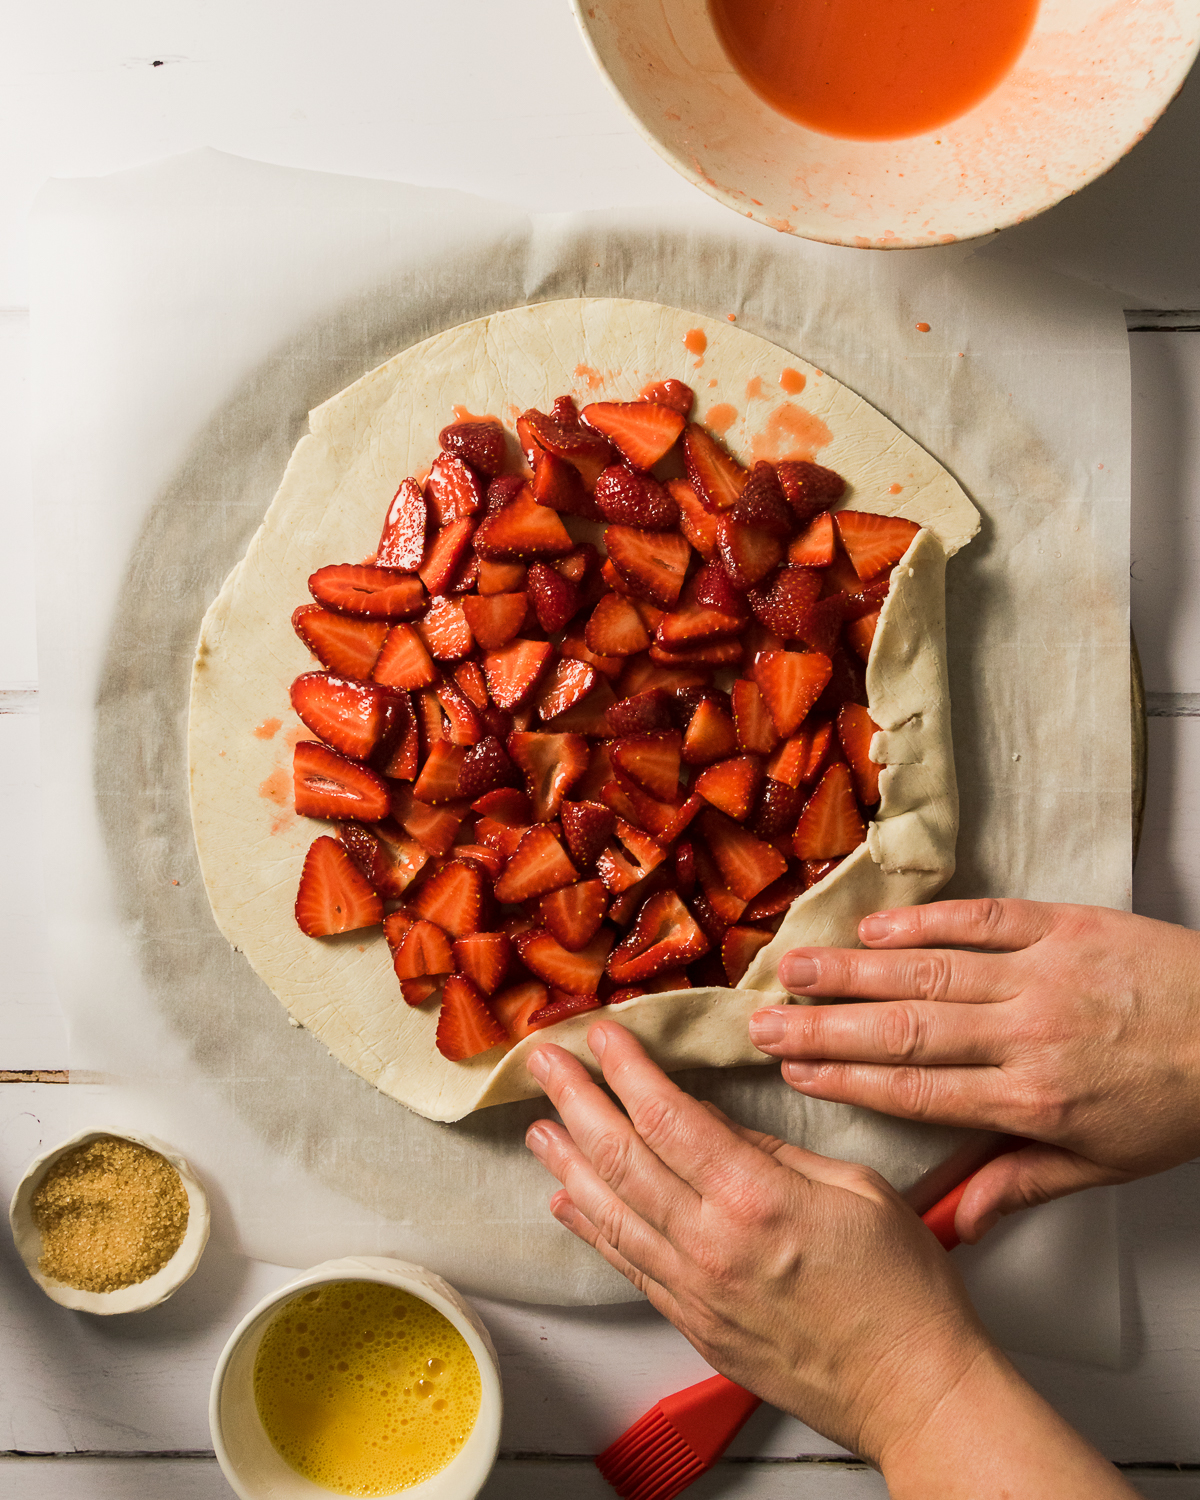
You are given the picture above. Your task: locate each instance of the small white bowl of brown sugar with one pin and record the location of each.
(109, 1223)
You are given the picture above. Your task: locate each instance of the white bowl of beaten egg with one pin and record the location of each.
(364, 1376)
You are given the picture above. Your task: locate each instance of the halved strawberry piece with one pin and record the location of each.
(748, 552)
(642, 674)
(466, 1027)
(404, 662)
(334, 895)
(434, 828)
(471, 683)
(495, 618)
(445, 553)
(523, 529)
(814, 547)
(587, 827)
(500, 577)
(696, 521)
(727, 907)
(840, 577)
(815, 870)
(482, 444)
(350, 716)
(586, 716)
(637, 807)
(713, 588)
(579, 564)
(756, 640)
(467, 576)
(463, 724)
(787, 763)
(756, 732)
(873, 542)
(672, 393)
(642, 431)
(453, 490)
(860, 634)
(715, 476)
(739, 947)
(715, 654)
(585, 448)
(402, 544)
(847, 684)
(561, 1007)
(652, 563)
(552, 764)
(453, 898)
(651, 761)
(747, 865)
(444, 629)
(485, 768)
(507, 805)
(830, 823)
(777, 810)
(389, 859)
(689, 808)
(484, 957)
(555, 598)
(513, 1007)
(498, 836)
(557, 485)
(776, 899)
(626, 905)
(684, 859)
(665, 935)
(347, 646)
(576, 646)
(538, 864)
(417, 991)
(376, 593)
(818, 751)
(489, 860)
(646, 853)
(395, 925)
(573, 913)
(439, 778)
(327, 785)
(615, 628)
(512, 673)
(761, 503)
(399, 754)
(710, 735)
(568, 684)
(791, 682)
(635, 500)
(731, 785)
(809, 487)
(640, 714)
(424, 949)
(865, 598)
(856, 728)
(785, 601)
(578, 973)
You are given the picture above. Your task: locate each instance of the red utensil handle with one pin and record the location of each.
(940, 1218)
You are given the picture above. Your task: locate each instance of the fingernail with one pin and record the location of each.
(796, 972)
(874, 927)
(597, 1041)
(539, 1065)
(563, 1209)
(538, 1138)
(766, 1027)
(799, 1073)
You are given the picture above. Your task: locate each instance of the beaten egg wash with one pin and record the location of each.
(365, 1389)
(873, 69)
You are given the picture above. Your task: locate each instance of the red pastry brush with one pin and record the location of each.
(683, 1435)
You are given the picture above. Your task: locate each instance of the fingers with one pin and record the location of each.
(570, 1217)
(971, 1096)
(901, 1032)
(1000, 926)
(914, 974)
(1022, 1179)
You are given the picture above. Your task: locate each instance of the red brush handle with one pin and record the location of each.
(940, 1218)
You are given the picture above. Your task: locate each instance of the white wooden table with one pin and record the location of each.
(502, 100)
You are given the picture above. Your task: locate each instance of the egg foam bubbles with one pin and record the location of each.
(364, 1389)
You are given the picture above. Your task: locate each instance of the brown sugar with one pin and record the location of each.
(111, 1214)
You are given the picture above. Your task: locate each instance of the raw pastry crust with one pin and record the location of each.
(337, 486)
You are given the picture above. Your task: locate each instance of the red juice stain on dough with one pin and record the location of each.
(592, 376)
(922, 327)
(732, 317)
(792, 381)
(873, 70)
(461, 414)
(268, 729)
(894, 489)
(754, 389)
(694, 341)
(721, 417)
(791, 432)
(277, 787)
(293, 737)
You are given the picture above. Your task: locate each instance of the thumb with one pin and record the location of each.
(1022, 1179)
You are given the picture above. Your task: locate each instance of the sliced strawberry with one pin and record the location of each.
(348, 647)
(399, 755)
(785, 601)
(865, 598)
(818, 751)
(665, 935)
(641, 714)
(512, 673)
(739, 948)
(489, 860)
(564, 436)
(507, 805)
(715, 476)
(484, 957)
(777, 809)
(580, 564)
(482, 444)
(756, 640)
(791, 682)
(376, 593)
(815, 870)
(756, 732)
(651, 761)
(747, 865)
(523, 529)
(453, 490)
(635, 500)
(830, 823)
(500, 577)
(615, 628)
(466, 578)
(710, 735)
(560, 1007)
(434, 828)
(776, 899)
(444, 629)
(748, 552)
(471, 683)
(696, 521)
(587, 827)
(642, 431)
(787, 764)
(684, 858)
(809, 487)
(672, 393)
(463, 724)
(637, 807)
(334, 895)
(726, 907)
(402, 544)
(557, 485)
(445, 553)
(714, 654)
(840, 576)
(713, 588)
(652, 563)
(495, 618)
(814, 547)
(586, 715)
(389, 859)
(576, 647)
(578, 973)
(466, 1027)
(626, 905)
(860, 634)
(417, 991)
(573, 913)
(847, 684)
(873, 542)
(731, 785)
(500, 837)
(486, 768)
(646, 853)
(453, 898)
(612, 580)
(439, 778)
(423, 949)
(350, 716)
(855, 728)
(555, 598)
(566, 685)
(538, 864)
(761, 503)
(552, 764)
(513, 1007)
(404, 662)
(327, 785)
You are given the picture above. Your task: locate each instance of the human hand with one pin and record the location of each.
(1079, 1028)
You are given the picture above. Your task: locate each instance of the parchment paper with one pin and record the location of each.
(186, 318)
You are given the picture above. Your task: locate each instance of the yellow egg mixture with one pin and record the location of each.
(365, 1389)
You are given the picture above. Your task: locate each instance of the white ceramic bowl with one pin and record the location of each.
(247, 1457)
(1093, 78)
(143, 1294)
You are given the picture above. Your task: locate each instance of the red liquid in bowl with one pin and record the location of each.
(873, 69)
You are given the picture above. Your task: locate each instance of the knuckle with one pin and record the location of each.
(986, 915)
(611, 1158)
(655, 1121)
(909, 1090)
(900, 1032)
(931, 975)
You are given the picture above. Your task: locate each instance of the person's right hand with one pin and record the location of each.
(1079, 1028)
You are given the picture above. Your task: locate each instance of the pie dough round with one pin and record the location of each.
(329, 508)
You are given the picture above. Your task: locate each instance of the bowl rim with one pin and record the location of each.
(422, 1283)
(140, 1295)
